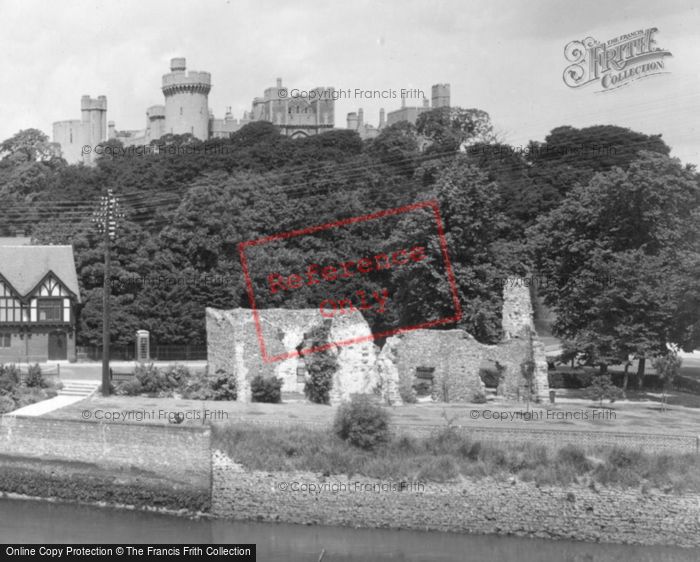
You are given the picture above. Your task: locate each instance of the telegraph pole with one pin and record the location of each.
(106, 219)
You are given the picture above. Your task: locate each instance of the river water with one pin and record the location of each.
(44, 522)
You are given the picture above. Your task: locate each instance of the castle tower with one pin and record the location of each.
(352, 121)
(360, 117)
(93, 114)
(440, 95)
(155, 121)
(186, 100)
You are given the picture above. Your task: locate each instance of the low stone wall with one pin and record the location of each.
(485, 506)
(180, 454)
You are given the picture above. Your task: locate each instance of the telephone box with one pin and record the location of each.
(143, 346)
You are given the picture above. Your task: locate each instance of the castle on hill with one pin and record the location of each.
(186, 110)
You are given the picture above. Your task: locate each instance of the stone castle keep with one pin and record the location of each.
(447, 362)
(186, 111)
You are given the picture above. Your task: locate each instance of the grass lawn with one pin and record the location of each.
(640, 413)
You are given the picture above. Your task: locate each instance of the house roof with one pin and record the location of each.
(25, 266)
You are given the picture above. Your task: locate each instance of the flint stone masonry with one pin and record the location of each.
(454, 355)
(233, 346)
(179, 454)
(471, 506)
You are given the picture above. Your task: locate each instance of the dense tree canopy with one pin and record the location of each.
(629, 212)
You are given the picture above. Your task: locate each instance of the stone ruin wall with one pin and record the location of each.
(455, 356)
(233, 346)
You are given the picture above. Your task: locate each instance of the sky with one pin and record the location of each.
(506, 58)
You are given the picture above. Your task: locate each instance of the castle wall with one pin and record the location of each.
(409, 114)
(70, 135)
(155, 122)
(186, 101)
(440, 95)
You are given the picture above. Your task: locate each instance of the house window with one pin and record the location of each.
(5, 340)
(49, 310)
(10, 311)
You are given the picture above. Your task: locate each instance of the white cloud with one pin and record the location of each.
(503, 57)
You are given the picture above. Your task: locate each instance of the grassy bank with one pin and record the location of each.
(447, 456)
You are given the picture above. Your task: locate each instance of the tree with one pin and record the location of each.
(28, 145)
(449, 129)
(621, 258)
(602, 388)
(397, 146)
(473, 228)
(667, 367)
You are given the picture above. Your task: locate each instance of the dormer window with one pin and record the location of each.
(49, 310)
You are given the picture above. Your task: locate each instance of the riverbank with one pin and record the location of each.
(91, 484)
(480, 507)
(608, 515)
(173, 468)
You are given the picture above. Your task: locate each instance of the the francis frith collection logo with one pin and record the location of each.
(614, 63)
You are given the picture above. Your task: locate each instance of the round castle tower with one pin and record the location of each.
(186, 100)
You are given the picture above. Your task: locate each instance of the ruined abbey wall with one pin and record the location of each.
(449, 360)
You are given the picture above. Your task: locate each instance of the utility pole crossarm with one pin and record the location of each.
(106, 219)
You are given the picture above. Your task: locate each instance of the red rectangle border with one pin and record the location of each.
(432, 204)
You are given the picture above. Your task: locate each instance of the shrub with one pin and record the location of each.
(320, 366)
(10, 378)
(569, 380)
(152, 379)
(266, 389)
(198, 387)
(439, 469)
(624, 458)
(479, 397)
(129, 388)
(223, 386)
(602, 388)
(362, 422)
(7, 404)
(34, 377)
(575, 457)
(177, 375)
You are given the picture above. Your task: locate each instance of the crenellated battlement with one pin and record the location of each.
(155, 112)
(88, 104)
(192, 81)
